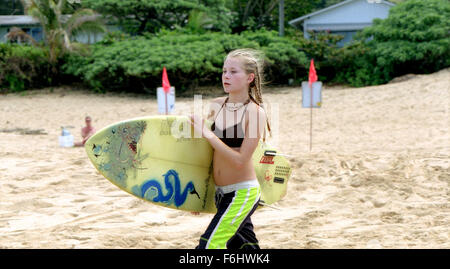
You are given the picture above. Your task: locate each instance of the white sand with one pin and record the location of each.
(378, 175)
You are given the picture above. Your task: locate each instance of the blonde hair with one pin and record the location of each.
(253, 62)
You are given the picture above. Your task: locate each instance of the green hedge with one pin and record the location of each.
(285, 58)
(23, 67)
(136, 64)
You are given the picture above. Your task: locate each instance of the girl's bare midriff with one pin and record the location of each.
(226, 173)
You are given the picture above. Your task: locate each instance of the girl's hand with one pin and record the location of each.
(199, 126)
(195, 213)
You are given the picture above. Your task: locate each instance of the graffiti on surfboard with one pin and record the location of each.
(170, 194)
(118, 153)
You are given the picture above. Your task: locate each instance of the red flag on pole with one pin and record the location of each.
(312, 78)
(312, 73)
(165, 81)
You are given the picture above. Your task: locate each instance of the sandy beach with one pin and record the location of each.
(378, 174)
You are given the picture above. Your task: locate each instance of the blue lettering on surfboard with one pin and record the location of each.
(152, 190)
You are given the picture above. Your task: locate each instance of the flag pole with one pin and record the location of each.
(167, 112)
(311, 120)
(312, 77)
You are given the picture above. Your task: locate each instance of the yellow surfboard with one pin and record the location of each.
(157, 159)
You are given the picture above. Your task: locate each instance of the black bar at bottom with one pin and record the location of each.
(215, 258)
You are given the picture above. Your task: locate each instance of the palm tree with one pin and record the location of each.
(58, 28)
(198, 21)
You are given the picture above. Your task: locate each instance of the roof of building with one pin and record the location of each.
(26, 19)
(297, 20)
(18, 20)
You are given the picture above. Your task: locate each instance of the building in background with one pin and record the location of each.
(344, 18)
(28, 24)
(32, 27)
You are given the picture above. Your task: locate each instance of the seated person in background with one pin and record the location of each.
(86, 132)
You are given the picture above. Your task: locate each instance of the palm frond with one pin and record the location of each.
(89, 27)
(42, 11)
(84, 20)
(58, 28)
(26, 4)
(60, 5)
(198, 20)
(80, 48)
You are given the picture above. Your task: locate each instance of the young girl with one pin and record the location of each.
(237, 188)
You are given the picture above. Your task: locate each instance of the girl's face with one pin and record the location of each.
(234, 78)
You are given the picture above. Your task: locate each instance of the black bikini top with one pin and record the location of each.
(234, 141)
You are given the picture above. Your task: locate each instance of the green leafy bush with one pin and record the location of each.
(285, 59)
(23, 67)
(136, 64)
(323, 48)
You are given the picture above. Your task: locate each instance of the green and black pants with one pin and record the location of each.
(232, 227)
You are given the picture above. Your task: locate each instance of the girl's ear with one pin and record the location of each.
(251, 77)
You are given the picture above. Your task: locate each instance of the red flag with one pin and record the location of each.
(312, 73)
(165, 81)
